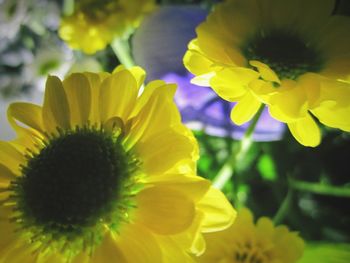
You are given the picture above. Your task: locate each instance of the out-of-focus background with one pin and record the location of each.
(313, 182)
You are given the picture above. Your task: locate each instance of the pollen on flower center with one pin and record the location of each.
(75, 184)
(287, 54)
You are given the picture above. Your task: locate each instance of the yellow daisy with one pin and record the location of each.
(246, 242)
(289, 55)
(94, 23)
(100, 173)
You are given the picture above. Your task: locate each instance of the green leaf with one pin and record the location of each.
(326, 253)
(266, 167)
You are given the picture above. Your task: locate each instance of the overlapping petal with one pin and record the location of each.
(226, 43)
(246, 240)
(171, 206)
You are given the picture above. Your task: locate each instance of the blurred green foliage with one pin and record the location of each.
(261, 181)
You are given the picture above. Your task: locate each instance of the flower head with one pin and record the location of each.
(288, 55)
(159, 45)
(101, 174)
(246, 242)
(94, 24)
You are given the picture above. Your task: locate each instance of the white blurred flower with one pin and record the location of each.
(16, 57)
(43, 15)
(52, 58)
(12, 15)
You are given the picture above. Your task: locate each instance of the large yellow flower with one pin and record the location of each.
(95, 23)
(290, 55)
(102, 174)
(246, 242)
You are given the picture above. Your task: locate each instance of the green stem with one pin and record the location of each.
(122, 51)
(284, 208)
(226, 172)
(68, 7)
(318, 188)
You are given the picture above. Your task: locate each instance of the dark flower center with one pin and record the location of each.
(287, 54)
(250, 254)
(80, 181)
(99, 9)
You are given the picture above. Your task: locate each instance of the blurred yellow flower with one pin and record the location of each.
(289, 55)
(102, 174)
(246, 242)
(94, 24)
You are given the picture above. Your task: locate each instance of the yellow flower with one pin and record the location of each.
(94, 24)
(245, 242)
(289, 55)
(102, 174)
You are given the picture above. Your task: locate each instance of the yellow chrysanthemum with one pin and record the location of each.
(102, 174)
(290, 55)
(94, 24)
(245, 242)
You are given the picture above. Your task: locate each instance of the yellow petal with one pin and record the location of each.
(148, 91)
(334, 92)
(306, 131)
(77, 88)
(168, 143)
(334, 42)
(138, 73)
(298, 14)
(219, 45)
(311, 83)
(335, 118)
(55, 109)
(288, 242)
(95, 81)
(218, 212)
(232, 83)
(28, 114)
(15, 253)
(203, 80)
(139, 245)
(192, 239)
(108, 251)
(11, 157)
(289, 103)
(157, 114)
(6, 176)
(7, 230)
(164, 210)
(115, 124)
(50, 257)
(245, 109)
(265, 71)
(190, 185)
(12, 248)
(117, 95)
(262, 90)
(264, 228)
(173, 251)
(196, 62)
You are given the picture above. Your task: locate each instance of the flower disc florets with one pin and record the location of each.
(103, 172)
(78, 182)
(97, 10)
(287, 54)
(290, 57)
